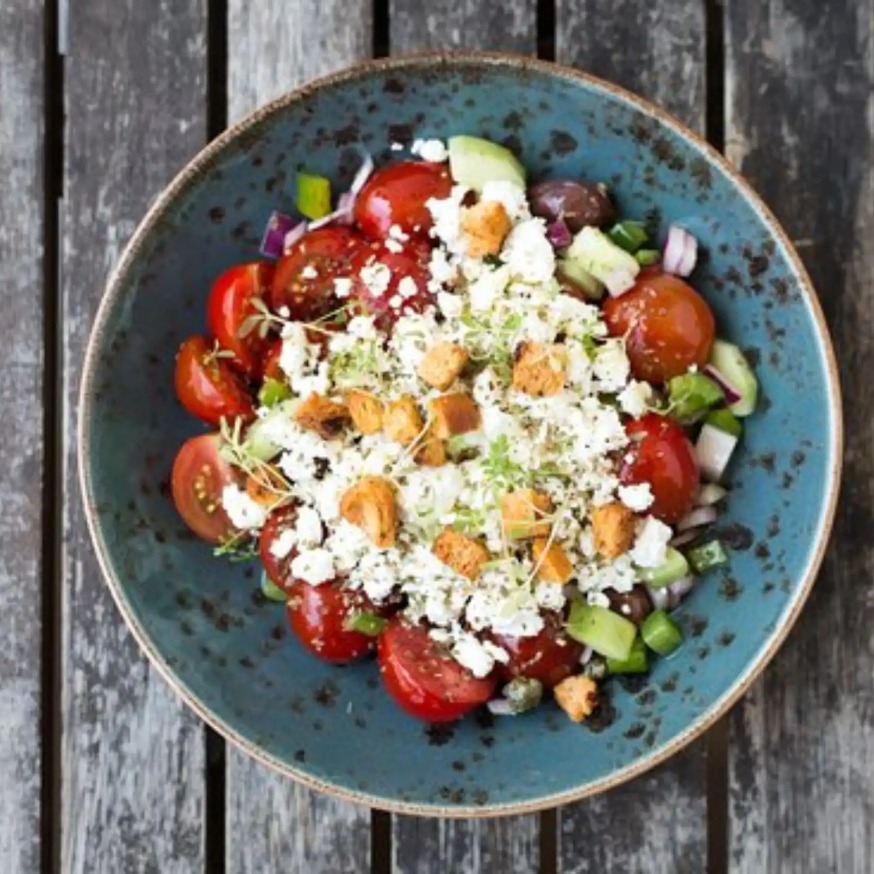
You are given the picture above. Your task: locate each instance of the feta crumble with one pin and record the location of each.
(244, 512)
(433, 151)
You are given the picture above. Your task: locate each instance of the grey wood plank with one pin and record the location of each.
(657, 50)
(133, 755)
(21, 336)
(272, 823)
(512, 844)
(800, 124)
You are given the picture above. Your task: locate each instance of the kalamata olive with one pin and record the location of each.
(578, 203)
(634, 605)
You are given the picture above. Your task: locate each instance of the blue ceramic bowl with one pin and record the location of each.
(312, 721)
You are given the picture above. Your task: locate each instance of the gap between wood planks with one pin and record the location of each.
(52, 465)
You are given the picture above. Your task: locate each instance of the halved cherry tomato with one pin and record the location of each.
(424, 680)
(389, 284)
(207, 386)
(318, 616)
(397, 194)
(278, 569)
(661, 454)
(668, 326)
(270, 364)
(304, 278)
(549, 656)
(230, 304)
(199, 475)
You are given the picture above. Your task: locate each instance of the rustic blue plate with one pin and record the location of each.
(201, 620)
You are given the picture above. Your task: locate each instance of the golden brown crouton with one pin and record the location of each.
(463, 554)
(442, 364)
(370, 504)
(322, 415)
(612, 529)
(432, 452)
(454, 414)
(577, 696)
(485, 225)
(522, 514)
(267, 486)
(366, 410)
(553, 565)
(538, 369)
(401, 421)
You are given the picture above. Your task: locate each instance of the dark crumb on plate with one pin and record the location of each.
(440, 733)
(458, 765)
(300, 756)
(730, 589)
(698, 625)
(635, 730)
(247, 662)
(634, 683)
(726, 638)
(647, 696)
(326, 694)
(670, 684)
(737, 537)
(603, 716)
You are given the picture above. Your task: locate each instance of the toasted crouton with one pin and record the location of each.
(577, 696)
(522, 514)
(553, 564)
(463, 554)
(454, 414)
(485, 226)
(370, 504)
(539, 369)
(442, 364)
(365, 409)
(432, 452)
(322, 415)
(612, 529)
(401, 421)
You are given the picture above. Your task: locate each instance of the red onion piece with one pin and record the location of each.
(660, 597)
(500, 707)
(362, 175)
(686, 537)
(278, 225)
(680, 252)
(559, 234)
(732, 395)
(697, 517)
(679, 589)
(713, 451)
(341, 215)
(586, 655)
(294, 235)
(709, 494)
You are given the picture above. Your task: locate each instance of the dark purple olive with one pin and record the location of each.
(578, 203)
(634, 605)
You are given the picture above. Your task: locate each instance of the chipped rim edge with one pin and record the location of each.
(114, 291)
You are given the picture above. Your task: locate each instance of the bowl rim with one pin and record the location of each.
(450, 59)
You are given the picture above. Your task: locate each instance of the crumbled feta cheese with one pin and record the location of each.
(488, 287)
(397, 147)
(396, 232)
(393, 246)
(451, 305)
(611, 366)
(407, 287)
(308, 527)
(282, 545)
(637, 497)
(528, 253)
(478, 656)
(442, 270)
(342, 286)
(433, 151)
(244, 513)
(510, 196)
(376, 278)
(651, 544)
(446, 214)
(635, 399)
(313, 566)
(309, 272)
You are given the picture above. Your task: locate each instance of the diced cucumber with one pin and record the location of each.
(271, 591)
(707, 555)
(674, 568)
(636, 663)
(690, 395)
(661, 634)
(608, 633)
(713, 450)
(365, 623)
(645, 257)
(628, 235)
(313, 195)
(595, 253)
(731, 363)
(474, 161)
(272, 392)
(726, 421)
(591, 287)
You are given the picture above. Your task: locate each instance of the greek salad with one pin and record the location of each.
(471, 423)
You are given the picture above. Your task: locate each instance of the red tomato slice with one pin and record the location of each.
(304, 278)
(318, 616)
(199, 475)
(230, 304)
(397, 195)
(389, 283)
(668, 326)
(423, 680)
(549, 656)
(661, 454)
(270, 364)
(207, 386)
(278, 569)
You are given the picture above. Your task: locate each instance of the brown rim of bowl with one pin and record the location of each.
(453, 59)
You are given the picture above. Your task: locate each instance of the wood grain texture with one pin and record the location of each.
(272, 823)
(133, 755)
(512, 844)
(21, 336)
(657, 50)
(800, 124)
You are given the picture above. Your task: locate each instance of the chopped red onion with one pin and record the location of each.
(710, 493)
(732, 395)
(697, 517)
(278, 225)
(686, 537)
(669, 597)
(500, 707)
(660, 597)
(294, 235)
(680, 588)
(680, 253)
(586, 655)
(341, 215)
(362, 175)
(713, 452)
(559, 234)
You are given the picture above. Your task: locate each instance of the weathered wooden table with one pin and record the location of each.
(102, 769)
